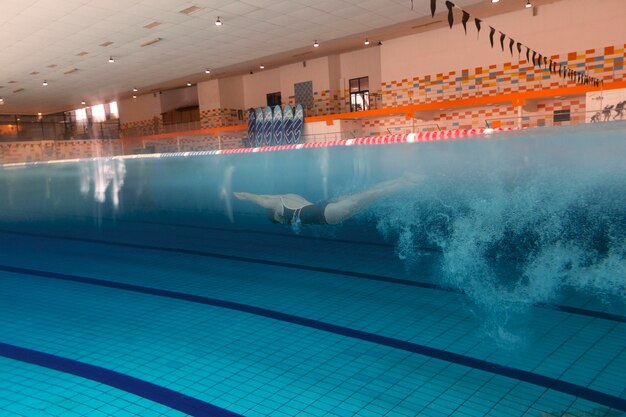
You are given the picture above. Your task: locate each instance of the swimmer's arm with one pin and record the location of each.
(263, 200)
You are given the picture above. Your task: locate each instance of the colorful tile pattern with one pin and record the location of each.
(11, 152)
(142, 127)
(222, 117)
(511, 77)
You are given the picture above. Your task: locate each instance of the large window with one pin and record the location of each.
(359, 94)
(273, 99)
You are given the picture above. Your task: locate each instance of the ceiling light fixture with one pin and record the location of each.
(528, 5)
(207, 71)
(45, 83)
(151, 41)
(262, 66)
(188, 84)
(495, 1)
(367, 42)
(218, 22)
(134, 96)
(111, 60)
(316, 44)
(1, 100)
(135, 89)
(83, 102)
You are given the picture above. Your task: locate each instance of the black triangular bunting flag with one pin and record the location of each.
(478, 22)
(519, 49)
(466, 17)
(433, 7)
(527, 54)
(450, 5)
(511, 43)
(493, 32)
(502, 38)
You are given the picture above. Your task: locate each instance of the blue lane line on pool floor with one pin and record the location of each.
(515, 373)
(237, 258)
(141, 388)
(354, 274)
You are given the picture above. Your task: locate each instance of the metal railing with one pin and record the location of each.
(551, 120)
(29, 130)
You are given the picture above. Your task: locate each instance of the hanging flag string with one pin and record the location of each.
(537, 59)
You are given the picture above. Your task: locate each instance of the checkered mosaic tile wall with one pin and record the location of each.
(12, 152)
(142, 127)
(603, 63)
(494, 116)
(222, 117)
(324, 102)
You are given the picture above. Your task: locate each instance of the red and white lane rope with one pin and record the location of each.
(369, 140)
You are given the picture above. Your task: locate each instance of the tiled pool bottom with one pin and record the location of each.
(258, 330)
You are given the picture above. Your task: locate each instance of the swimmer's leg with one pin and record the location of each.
(347, 206)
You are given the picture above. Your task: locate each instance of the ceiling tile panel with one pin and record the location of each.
(36, 34)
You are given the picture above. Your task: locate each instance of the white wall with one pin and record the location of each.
(362, 63)
(178, 98)
(256, 87)
(231, 93)
(316, 70)
(209, 95)
(144, 107)
(564, 26)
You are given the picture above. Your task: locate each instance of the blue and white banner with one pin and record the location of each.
(276, 126)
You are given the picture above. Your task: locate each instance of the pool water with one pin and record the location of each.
(493, 288)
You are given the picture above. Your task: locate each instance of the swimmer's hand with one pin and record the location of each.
(241, 195)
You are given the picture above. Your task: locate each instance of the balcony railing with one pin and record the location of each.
(18, 130)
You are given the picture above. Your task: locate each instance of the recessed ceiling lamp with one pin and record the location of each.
(207, 71)
(528, 5)
(495, 1)
(262, 66)
(83, 102)
(218, 22)
(111, 60)
(188, 84)
(45, 83)
(134, 97)
(39, 114)
(1, 100)
(135, 89)
(316, 44)
(367, 42)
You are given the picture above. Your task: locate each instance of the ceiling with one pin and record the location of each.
(68, 43)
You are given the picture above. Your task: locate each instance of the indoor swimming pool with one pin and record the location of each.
(493, 287)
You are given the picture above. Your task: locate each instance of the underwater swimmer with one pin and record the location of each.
(294, 209)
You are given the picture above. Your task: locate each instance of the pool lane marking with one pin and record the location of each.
(354, 274)
(237, 258)
(456, 358)
(139, 387)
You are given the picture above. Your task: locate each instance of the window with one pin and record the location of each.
(113, 111)
(561, 116)
(273, 99)
(80, 115)
(97, 113)
(304, 93)
(359, 94)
